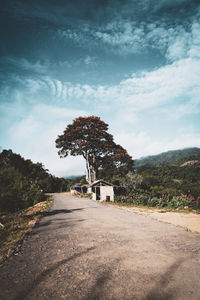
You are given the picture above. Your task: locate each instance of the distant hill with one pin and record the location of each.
(174, 157)
(74, 177)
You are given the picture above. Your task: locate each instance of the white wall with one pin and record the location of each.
(107, 191)
(93, 196)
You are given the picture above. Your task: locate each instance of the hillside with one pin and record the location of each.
(174, 157)
(23, 183)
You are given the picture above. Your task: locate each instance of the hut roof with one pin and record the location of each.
(100, 182)
(79, 185)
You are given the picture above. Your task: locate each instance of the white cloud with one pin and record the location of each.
(124, 105)
(34, 138)
(142, 144)
(168, 84)
(194, 50)
(127, 36)
(75, 35)
(90, 60)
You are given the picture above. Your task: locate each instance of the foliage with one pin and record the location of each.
(142, 197)
(23, 183)
(122, 161)
(130, 180)
(174, 180)
(88, 136)
(165, 185)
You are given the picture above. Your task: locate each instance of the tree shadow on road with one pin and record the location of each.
(57, 223)
(96, 292)
(26, 292)
(61, 211)
(158, 293)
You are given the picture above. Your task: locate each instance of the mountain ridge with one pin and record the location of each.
(169, 157)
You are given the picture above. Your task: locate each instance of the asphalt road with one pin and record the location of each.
(83, 249)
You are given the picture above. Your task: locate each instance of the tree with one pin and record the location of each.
(123, 162)
(118, 164)
(88, 136)
(131, 181)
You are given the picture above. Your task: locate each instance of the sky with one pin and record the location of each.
(133, 63)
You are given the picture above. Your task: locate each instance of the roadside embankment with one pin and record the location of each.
(186, 219)
(14, 226)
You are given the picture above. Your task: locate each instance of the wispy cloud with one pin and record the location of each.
(141, 91)
(25, 64)
(133, 37)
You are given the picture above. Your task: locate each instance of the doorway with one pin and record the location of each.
(98, 195)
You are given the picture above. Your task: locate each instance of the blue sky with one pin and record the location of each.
(136, 64)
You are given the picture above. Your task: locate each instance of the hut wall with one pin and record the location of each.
(107, 191)
(94, 196)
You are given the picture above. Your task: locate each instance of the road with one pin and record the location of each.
(83, 249)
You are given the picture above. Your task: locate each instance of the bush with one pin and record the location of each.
(33, 196)
(141, 197)
(16, 191)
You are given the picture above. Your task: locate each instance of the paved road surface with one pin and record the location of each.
(86, 250)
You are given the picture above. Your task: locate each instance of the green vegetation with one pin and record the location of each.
(169, 185)
(23, 183)
(140, 197)
(169, 157)
(173, 180)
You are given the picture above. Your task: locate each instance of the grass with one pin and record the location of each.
(17, 224)
(154, 208)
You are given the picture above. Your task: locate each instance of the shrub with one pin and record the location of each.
(17, 192)
(141, 197)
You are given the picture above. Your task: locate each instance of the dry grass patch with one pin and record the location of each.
(16, 225)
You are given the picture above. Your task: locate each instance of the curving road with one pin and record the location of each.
(83, 249)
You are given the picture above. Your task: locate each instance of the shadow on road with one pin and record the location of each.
(158, 293)
(56, 223)
(97, 291)
(26, 292)
(61, 211)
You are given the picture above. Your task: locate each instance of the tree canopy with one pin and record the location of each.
(88, 136)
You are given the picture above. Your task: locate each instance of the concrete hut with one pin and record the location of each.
(102, 190)
(80, 188)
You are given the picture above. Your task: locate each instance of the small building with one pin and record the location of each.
(80, 188)
(102, 190)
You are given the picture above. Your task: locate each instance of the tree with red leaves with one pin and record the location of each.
(88, 136)
(122, 160)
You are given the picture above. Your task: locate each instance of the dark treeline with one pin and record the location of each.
(24, 183)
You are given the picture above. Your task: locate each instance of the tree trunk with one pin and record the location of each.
(90, 168)
(94, 168)
(88, 171)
